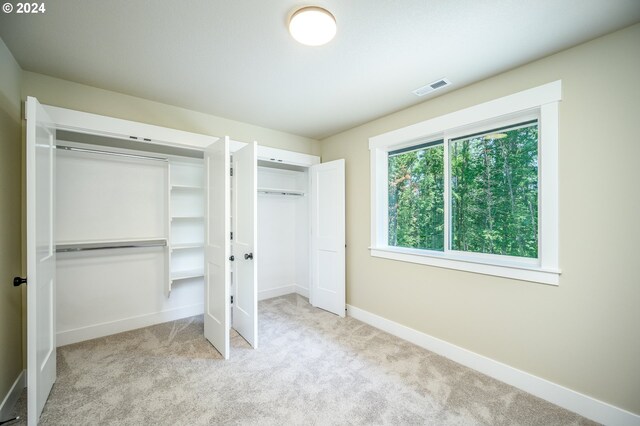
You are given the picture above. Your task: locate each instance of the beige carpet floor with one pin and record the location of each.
(312, 368)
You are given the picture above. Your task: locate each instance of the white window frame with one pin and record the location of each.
(540, 103)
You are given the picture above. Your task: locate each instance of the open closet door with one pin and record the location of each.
(327, 237)
(41, 258)
(245, 190)
(217, 272)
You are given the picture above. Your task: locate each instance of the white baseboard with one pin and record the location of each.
(9, 401)
(584, 405)
(275, 292)
(302, 291)
(68, 337)
(281, 291)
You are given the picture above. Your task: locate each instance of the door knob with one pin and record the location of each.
(232, 258)
(18, 281)
(248, 256)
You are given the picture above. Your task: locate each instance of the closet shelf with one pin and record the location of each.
(188, 273)
(186, 217)
(280, 191)
(187, 187)
(182, 246)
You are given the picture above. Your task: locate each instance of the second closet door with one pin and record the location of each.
(244, 247)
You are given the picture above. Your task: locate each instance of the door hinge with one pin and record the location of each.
(231, 171)
(232, 235)
(232, 300)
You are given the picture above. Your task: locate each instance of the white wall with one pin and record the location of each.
(303, 242)
(107, 292)
(102, 197)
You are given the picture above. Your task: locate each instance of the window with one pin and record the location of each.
(474, 190)
(494, 191)
(416, 197)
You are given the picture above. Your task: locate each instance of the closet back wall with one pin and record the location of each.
(105, 198)
(283, 233)
(102, 197)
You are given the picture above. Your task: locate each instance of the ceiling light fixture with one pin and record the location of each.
(312, 26)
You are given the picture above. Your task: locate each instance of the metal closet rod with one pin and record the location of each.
(64, 248)
(117, 154)
(263, 191)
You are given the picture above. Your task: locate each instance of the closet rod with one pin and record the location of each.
(65, 248)
(117, 154)
(298, 194)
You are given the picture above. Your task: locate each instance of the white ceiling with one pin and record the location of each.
(235, 59)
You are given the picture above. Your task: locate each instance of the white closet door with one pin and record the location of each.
(327, 287)
(217, 272)
(245, 190)
(41, 258)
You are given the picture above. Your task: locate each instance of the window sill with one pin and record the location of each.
(513, 270)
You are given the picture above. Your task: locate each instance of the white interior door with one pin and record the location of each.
(41, 258)
(217, 272)
(245, 305)
(327, 287)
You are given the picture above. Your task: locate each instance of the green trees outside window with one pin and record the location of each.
(416, 198)
(493, 194)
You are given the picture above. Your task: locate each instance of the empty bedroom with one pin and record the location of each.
(325, 213)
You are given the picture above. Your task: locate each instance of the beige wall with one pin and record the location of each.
(66, 94)
(10, 213)
(583, 334)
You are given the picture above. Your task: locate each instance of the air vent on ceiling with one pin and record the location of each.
(438, 84)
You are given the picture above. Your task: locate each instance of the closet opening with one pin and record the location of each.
(129, 228)
(283, 229)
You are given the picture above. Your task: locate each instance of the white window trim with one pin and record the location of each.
(541, 102)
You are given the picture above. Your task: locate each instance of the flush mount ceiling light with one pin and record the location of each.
(312, 26)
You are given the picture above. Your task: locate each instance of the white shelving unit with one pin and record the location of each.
(182, 246)
(193, 187)
(186, 227)
(187, 273)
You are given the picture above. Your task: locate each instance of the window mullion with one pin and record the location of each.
(447, 196)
